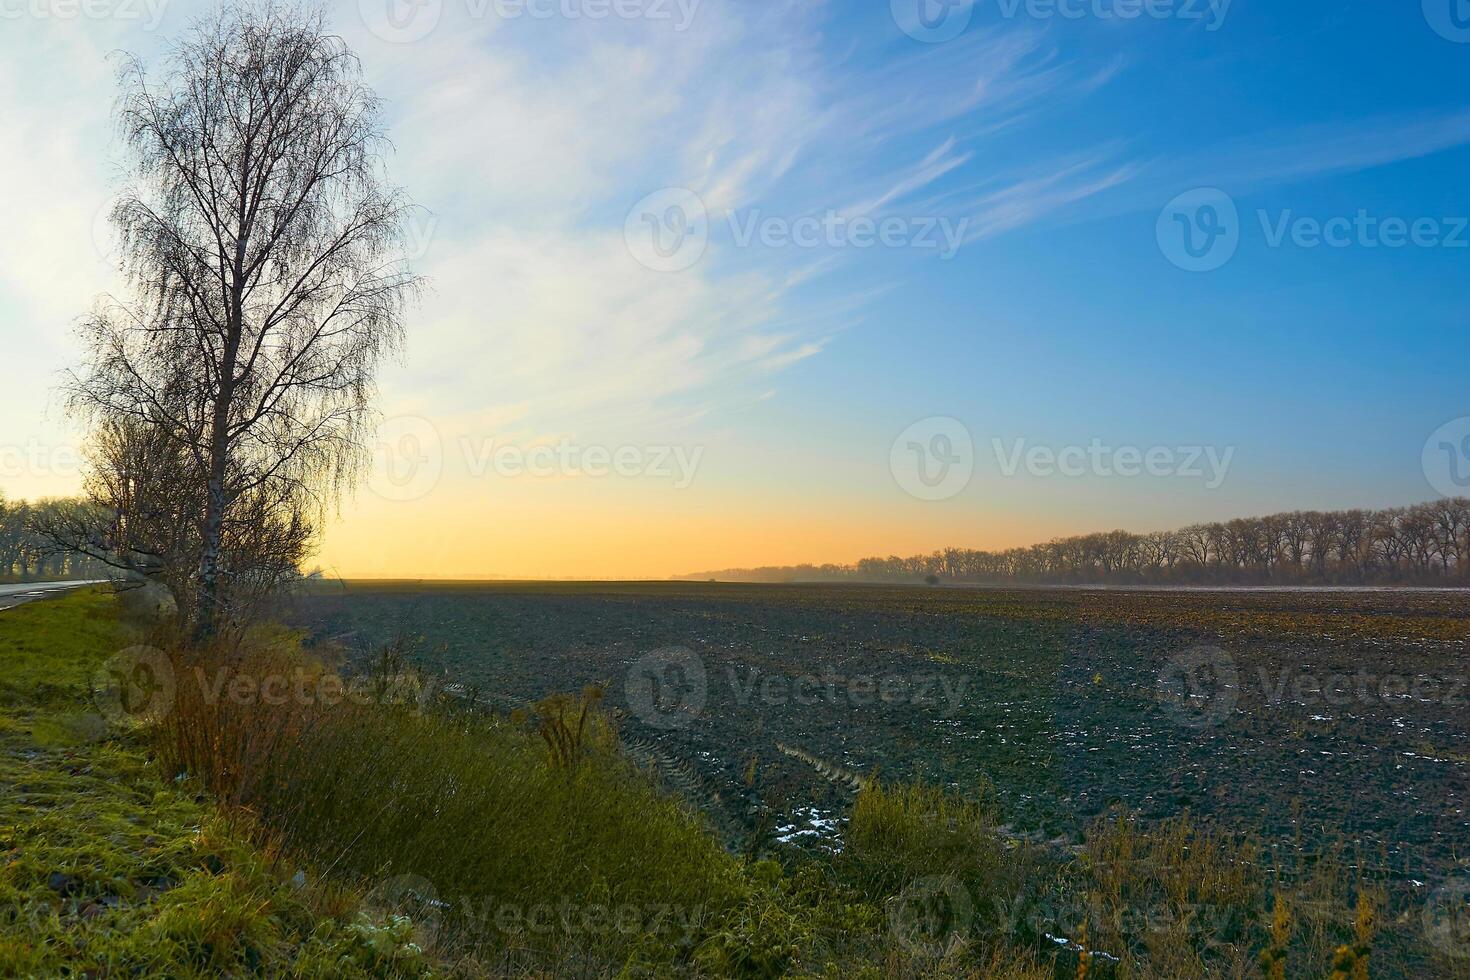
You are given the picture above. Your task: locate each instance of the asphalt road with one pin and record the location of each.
(14, 595)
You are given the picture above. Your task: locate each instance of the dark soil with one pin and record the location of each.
(1067, 702)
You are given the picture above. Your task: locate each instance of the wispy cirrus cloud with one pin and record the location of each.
(531, 149)
(1110, 181)
(1285, 155)
(529, 141)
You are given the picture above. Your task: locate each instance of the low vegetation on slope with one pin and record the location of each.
(111, 867)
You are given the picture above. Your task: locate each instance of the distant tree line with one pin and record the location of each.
(29, 553)
(1427, 544)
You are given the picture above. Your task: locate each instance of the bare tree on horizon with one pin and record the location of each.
(263, 246)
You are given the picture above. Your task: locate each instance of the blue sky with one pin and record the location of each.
(1048, 146)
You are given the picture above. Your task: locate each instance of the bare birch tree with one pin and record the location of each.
(263, 247)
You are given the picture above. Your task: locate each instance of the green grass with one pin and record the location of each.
(107, 867)
(51, 648)
(474, 810)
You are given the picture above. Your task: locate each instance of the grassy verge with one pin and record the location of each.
(108, 867)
